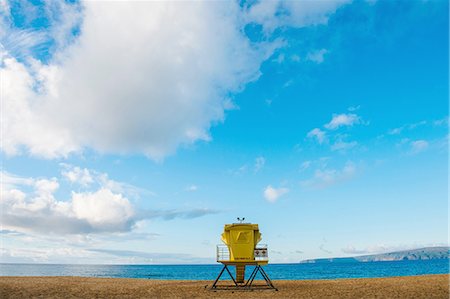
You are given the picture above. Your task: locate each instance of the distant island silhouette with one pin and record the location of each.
(427, 253)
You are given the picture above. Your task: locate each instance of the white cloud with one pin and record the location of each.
(273, 14)
(90, 178)
(317, 56)
(135, 90)
(418, 146)
(62, 19)
(4, 7)
(259, 163)
(318, 134)
(339, 120)
(9, 181)
(102, 210)
(326, 177)
(21, 124)
(78, 175)
(272, 194)
(85, 212)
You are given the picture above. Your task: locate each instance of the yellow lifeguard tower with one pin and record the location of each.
(241, 249)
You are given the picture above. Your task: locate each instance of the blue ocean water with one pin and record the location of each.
(210, 272)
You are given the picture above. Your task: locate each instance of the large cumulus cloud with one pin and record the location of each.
(137, 76)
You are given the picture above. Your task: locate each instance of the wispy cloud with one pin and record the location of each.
(418, 146)
(354, 108)
(325, 177)
(295, 58)
(89, 178)
(441, 122)
(241, 170)
(341, 145)
(259, 163)
(317, 56)
(322, 248)
(317, 134)
(192, 188)
(23, 43)
(329, 136)
(319, 163)
(256, 165)
(175, 213)
(305, 165)
(272, 14)
(342, 120)
(399, 130)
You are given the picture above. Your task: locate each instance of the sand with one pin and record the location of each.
(427, 286)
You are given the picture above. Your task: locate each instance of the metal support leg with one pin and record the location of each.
(214, 286)
(252, 276)
(248, 284)
(218, 277)
(266, 278)
(231, 275)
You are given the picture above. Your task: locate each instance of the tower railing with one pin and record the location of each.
(261, 253)
(223, 253)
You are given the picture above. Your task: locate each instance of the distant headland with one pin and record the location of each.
(427, 253)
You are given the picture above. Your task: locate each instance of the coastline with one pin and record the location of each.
(423, 286)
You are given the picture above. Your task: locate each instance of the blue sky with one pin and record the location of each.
(128, 137)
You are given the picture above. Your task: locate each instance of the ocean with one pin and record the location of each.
(210, 272)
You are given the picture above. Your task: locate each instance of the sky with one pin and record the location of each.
(132, 131)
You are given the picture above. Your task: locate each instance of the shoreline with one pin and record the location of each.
(420, 286)
(204, 280)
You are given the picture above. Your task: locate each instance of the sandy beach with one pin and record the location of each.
(427, 286)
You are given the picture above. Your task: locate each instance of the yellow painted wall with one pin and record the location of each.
(241, 239)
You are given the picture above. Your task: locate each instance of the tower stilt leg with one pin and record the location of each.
(248, 284)
(214, 286)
